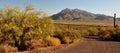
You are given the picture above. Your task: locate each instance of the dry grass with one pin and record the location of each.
(52, 41)
(89, 22)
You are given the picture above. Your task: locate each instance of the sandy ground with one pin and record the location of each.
(87, 44)
(90, 44)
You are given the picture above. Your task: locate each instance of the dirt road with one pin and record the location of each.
(90, 44)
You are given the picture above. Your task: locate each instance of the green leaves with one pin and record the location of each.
(18, 26)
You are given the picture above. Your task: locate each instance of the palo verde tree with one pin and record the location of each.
(19, 28)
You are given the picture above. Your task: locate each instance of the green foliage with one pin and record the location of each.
(52, 41)
(109, 33)
(19, 28)
(93, 31)
(116, 34)
(74, 34)
(67, 36)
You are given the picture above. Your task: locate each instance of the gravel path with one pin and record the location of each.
(90, 44)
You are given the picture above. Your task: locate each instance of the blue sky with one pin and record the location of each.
(107, 7)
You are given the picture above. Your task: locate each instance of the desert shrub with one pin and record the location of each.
(37, 43)
(93, 31)
(67, 36)
(52, 41)
(116, 34)
(84, 31)
(20, 28)
(110, 33)
(104, 33)
(74, 34)
(106, 36)
(58, 33)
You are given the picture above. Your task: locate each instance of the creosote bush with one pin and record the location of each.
(52, 41)
(93, 31)
(109, 33)
(67, 36)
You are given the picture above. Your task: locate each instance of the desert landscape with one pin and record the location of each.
(36, 27)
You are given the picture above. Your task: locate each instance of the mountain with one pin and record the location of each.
(77, 14)
(118, 19)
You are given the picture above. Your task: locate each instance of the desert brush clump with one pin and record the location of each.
(116, 34)
(74, 34)
(52, 41)
(67, 36)
(93, 31)
(109, 33)
(20, 28)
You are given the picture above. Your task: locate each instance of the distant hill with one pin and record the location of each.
(77, 14)
(118, 19)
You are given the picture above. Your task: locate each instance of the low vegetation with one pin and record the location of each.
(19, 28)
(93, 31)
(52, 41)
(27, 29)
(103, 32)
(110, 34)
(67, 35)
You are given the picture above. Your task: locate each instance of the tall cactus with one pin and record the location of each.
(114, 20)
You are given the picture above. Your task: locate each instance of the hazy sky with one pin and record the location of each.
(107, 7)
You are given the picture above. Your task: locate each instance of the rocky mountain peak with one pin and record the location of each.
(78, 14)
